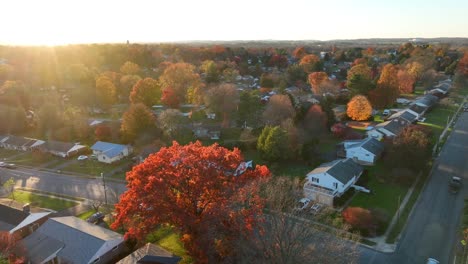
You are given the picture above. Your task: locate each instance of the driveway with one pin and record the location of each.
(432, 227)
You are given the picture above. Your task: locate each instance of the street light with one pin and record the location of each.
(105, 189)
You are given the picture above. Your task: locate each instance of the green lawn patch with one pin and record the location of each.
(29, 159)
(384, 195)
(42, 201)
(6, 153)
(291, 169)
(328, 144)
(167, 238)
(379, 119)
(86, 214)
(94, 167)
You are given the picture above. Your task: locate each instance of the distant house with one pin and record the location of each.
(150, 253)
(211, 131)
(418, 109)
(407, 115)
(365, 151)
(427, 101)
(388, 129)
(20, 143)
(62, 149)
(331, 180)
(109, 152)
(340, 112)
(21, 223)
(72, 240)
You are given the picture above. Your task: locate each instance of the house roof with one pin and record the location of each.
(370, 144)
(10, 217)
(343, 169)
(150, 253)
(395, 125)
(82, 240)
(417, 108)
(40, 247)
(31, 218)
(406, 115)
(18, 141)
(428, 100)
(60, 146)
(109, 149)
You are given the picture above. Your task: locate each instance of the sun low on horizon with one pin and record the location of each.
(50, 22)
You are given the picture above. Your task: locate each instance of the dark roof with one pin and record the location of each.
(417, 108)
(40, 247)
(374, 146)
(58, 146)
(343, 169)
(150, 253)
(18, 141)
(396, 125)
(406, 115)
(10, 217)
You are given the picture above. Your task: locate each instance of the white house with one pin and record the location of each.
(109, 152)
(406, 114)
(364, 151)
(388, 129)
(62, 149)
(331, 180)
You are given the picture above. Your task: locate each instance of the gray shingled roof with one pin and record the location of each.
(150, 251)
(396, 125)
(82, 240)
(10, 217)
(18, 141)
(372, 145)
(39, 247)
(58, 146)
(417, 108)
(343, 170)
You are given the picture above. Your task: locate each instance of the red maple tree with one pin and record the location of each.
(193, 188)
(169, 98)
(11, 249)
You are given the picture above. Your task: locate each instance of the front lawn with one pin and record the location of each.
(42, 201)
(437, 119)
(94, 167)
(34, 160)
(86, 214)
(7, 153)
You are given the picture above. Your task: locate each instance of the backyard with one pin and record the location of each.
(167, 238)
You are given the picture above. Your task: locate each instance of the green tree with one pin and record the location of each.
(273, 144)
(250, 110)
(12, 119)
(210, 69)
(130, 68)
(126, 85)
(9, 187)
(222, 99)
(15, 93)
(146, 91)
(266, 81)
(358, 84)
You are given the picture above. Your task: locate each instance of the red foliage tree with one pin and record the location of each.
(316, 79)
(193, 188)
(299, 52)
(11, 249)
(102, 132)
(169, 98)
(360, 219)
(406, 82)
(310, 63)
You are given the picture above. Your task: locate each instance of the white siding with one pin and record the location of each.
(326, 181)
(360, 155)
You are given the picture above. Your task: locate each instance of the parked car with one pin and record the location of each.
(386, 112)
(302, 204)
(8, 165)
(2, 164)
(316, 208)
(432, 261)
(82, 157)
(93, 156)
(455, 184)
(96, 218)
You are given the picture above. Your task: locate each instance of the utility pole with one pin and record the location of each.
(104, 185)
(398, 210)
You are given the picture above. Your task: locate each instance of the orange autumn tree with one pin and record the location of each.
(387, 89)
(310, 63)
(359, 108)
(194, 189)
(316, 79)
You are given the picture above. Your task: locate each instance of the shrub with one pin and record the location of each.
(360, 219)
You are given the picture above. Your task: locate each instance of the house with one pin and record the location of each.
(365, 151)
(427, 101)
(340, 112)
(20, 223)
(109, 152)
(150, 253)
(388, 129)
(72, 240)
(418, 109)
(21, 143)
(406, 115)
(211, 131)
(331, 180)
(62, 149)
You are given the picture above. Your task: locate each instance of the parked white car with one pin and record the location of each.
(82, 157)
(316, 208)
(302, 204)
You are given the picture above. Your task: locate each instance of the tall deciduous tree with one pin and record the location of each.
(316, 79)
(359, 108)
(406, 81)
(387, 89)
(186, 84)
(130, 68)
(299, 52)
(15, 93)
(105, 92)
(12, 119)
(359, 85)
(11, 249)
(315, 121)
(278, 109)
(137, 120)
(222, 99)
(194, 189)
(169, 98)
(311, 63)
(360, 69)
(146, 91)
(249, 109)
(210, 69)
(126, 85)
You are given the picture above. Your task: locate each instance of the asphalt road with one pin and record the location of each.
(64, 184)
(432, 227)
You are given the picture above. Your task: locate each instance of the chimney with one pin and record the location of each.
(27, 208)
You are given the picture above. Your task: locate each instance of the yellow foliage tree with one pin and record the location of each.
(359, 108)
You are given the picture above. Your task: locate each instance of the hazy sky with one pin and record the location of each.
(84, 21)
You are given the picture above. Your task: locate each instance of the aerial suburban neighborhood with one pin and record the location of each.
(220, 151)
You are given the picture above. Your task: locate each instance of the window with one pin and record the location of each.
(115, 248)
(316, 180)
(335, 184)
(97, 260)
